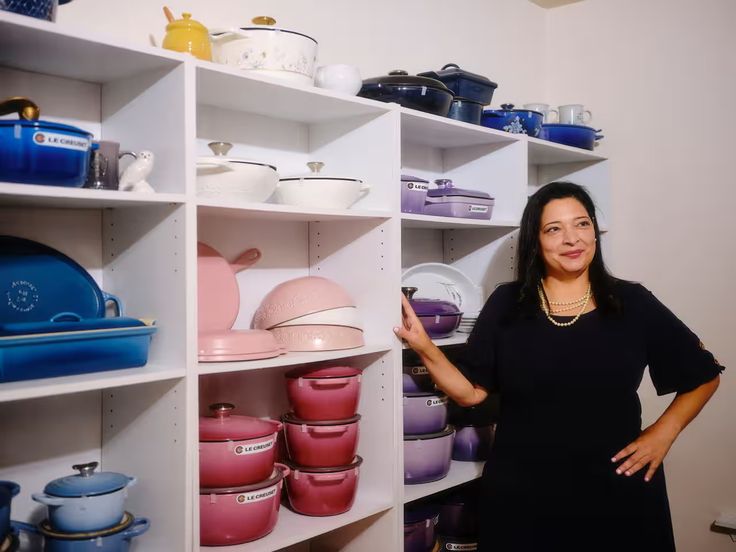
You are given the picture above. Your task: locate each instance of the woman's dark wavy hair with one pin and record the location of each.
(531, 269)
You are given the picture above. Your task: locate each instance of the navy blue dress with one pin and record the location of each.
(568, 403)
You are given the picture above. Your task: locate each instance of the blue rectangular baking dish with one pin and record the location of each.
(50, 355)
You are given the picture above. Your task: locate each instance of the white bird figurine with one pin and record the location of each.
(134, 177)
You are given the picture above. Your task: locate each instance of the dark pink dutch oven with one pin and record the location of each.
(240, 514)
(323, 491)
(321, 444)
(235, 450)
(330, 393)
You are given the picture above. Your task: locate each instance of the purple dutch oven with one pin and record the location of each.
(439, 318)
(472, 443)
(448, 201)
(416, 379)
(459, 514)
(419, 528)
(427, 457)
(424, 413)
(413, 194)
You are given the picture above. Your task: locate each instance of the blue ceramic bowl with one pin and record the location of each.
(413, 96)
(515, 121)
(577, 136)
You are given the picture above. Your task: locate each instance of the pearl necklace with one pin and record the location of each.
(545, 307)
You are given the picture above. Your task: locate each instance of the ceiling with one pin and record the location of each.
(553, 3)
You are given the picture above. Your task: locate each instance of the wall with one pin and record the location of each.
(498, 38)
(659, 77)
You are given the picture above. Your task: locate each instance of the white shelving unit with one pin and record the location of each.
(142, 247)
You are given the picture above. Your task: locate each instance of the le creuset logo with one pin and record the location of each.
(461, 547)
(417, 187)
(252, 449)
(22, 296)
(478, 208)
(437, 402)
(419, 371)
(65, 141)
(256, 496)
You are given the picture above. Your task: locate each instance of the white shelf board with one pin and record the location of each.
(33, 195)
(38, 46)
(543, 152)
(409, 220)
(230, 88)
(426, 129)
(292, 528)
(460, 472)
(276, 211)
(289, 359)
(457, 339)
(64, 385)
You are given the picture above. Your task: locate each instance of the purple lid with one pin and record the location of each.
(410, 178)
(445, 187)
(433, 307)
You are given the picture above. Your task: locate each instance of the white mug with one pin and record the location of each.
(544, 109)
(339, 77)
(574, 114)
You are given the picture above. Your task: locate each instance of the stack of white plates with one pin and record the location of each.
(467, 322)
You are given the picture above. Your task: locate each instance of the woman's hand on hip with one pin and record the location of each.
(411, 329)
(649, 449)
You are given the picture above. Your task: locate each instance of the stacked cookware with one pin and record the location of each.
(322, 438)
(445, 522)
(428, 439)
(450, 92)
(86, 513)
(53, 317)
(240, 481)
(311, 313)
(8, 541)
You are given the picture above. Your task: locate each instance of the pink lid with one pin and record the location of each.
(243, 344)
(225, 426)
(323, 372)
(218, 296)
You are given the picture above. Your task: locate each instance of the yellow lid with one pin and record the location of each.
(186, 23)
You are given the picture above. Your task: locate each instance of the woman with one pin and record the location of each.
(565, 346)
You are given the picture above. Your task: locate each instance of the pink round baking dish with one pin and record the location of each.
(324, 393)
(235, 450)
(297, 297)
(322, 444)
(323, 491)
(318, 338)
(240, 514)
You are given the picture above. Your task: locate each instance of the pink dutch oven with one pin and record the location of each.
(240, 514)
(321, 444)
(328, 393)
(235, 450)
(323, 491)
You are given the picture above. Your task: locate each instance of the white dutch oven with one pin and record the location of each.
(222, 176)
(278, 53)
(318, 191)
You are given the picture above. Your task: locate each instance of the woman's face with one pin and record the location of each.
(566, 237)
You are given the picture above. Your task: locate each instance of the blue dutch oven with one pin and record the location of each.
(465, 110)
(86, 501)
(515, 121)
(8, 490)
(41, 152)
(40, 9)
(577, 136)
(464, 84)
(116, 539)
(421, 93)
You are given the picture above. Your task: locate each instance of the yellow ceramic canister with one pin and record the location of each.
(188, 35)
